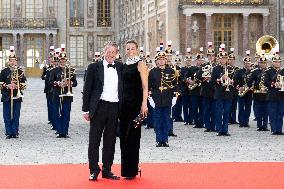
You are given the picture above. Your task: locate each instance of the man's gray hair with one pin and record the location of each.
(110, 44)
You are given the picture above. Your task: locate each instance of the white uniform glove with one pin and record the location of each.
(174, 101)
(151, 102)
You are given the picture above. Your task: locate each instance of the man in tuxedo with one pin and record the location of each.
(101, 102)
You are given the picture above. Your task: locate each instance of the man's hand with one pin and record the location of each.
(12, 86)
(86, 116)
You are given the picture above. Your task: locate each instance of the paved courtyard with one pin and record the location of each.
(37, 143)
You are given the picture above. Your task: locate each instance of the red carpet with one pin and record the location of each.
(160, 176)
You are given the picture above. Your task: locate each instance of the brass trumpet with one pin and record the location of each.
(227, 82)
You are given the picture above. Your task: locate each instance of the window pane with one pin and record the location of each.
(103, 12)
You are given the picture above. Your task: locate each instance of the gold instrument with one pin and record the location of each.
(228, 71)
(262, 88)
(266, 46)
(245, 89)
(196, 83)
(67, 76)
(15, 78)
(280, 79)
(206, 71)
(1, 85)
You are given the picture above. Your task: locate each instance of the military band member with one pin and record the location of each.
(222, 80)
(273, 80)
(233, 113)
(63, 79)
(45, 76)
(12, 83)
(177, 109)
(169, 56)
(162, 86)
(149, 120)
(196, 98)
(207, 91)
(245, 93)
(256, 80)
(186, 105)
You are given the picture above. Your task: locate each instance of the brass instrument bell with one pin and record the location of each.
(266, 46)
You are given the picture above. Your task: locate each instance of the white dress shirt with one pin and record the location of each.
(110, 88)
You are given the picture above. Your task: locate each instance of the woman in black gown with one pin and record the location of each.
(134, 101)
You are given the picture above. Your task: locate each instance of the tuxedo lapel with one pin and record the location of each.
(101, 71)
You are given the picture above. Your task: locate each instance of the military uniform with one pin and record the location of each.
(207, 115)
(260, 98)
(245, 100)
(194, 95)
(275, 99)
(12, 107)
(62, 104)
(223, 95)
(162, 84)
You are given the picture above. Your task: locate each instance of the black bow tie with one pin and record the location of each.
(111, 65)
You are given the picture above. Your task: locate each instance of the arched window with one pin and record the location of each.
(104, 16)
(5, 8)
(34, 9)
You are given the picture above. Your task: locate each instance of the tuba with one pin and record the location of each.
(266, 46)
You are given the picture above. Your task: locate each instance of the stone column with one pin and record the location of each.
(188, 31)
(15, 43)
(47, 45)
(245, 32)
(208, 29)
(265, 24)
(22, 51)
(54, 40)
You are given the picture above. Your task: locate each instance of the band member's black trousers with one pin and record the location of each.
(103, 122)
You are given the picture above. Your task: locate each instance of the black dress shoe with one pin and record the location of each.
(259, 129)
(241, 126)
(246, 126)
(61, 136)
(130, 178)
(207, 130)
(265, 129)
(15, 136)
(172, 135)
(197, 126)
(159, 144)
(94, 176)
(226, 134)
(110, 175)
(9, 136)
(165, 144)
(220, 134)
(280, 133)
(185, 123)
(273, 133)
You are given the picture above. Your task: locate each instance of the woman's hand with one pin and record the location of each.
(144, 109)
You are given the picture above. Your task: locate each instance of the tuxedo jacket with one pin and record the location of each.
(94, 84)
